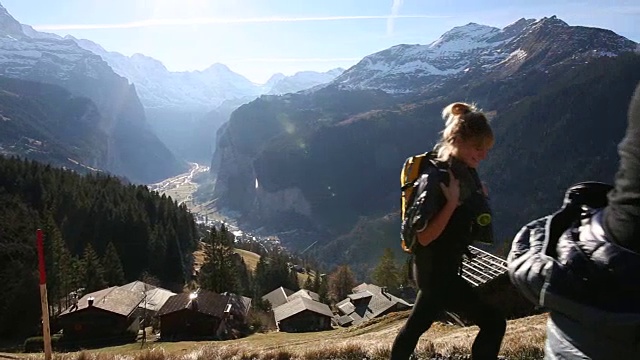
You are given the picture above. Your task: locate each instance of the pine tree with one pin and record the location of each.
(316, 281)
(92, 270)
(323, 290)
(113, 273)
(53, 247)
(386, 273)
(260, 278)
(218, 272)
(293, 281)
(341, 283)
(405, 274)
(244, 278)
(308, 283)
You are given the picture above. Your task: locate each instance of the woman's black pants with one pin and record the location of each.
(455, 294)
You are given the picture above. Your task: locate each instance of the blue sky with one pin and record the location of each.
(258, 38)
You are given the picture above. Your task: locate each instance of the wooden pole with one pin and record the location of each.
(46, 332)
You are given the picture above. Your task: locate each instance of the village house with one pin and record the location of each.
(202, 314)
(302, 314)
(298, 311)
(368, 301)
(102, 317)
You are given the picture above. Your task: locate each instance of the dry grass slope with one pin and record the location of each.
(250, 258)
(524, 340)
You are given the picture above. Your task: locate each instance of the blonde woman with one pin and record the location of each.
(444, 233)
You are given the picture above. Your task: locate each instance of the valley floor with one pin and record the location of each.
(524, 340)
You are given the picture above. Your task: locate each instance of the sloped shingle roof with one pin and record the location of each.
(207, 302)
(299, 305)
(375, 289)
(368, 301)
(360, 295)
(347, 307)
(138, 286)
(156, 296)
(304, 293)
(114, 299)
(278, 296)
(240, 304)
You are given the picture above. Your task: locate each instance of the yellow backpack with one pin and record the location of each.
(413, 197)
(413, 167)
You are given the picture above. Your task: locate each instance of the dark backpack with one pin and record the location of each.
(419, 171)
(413, 182)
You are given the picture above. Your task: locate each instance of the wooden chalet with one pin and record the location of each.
(201, 315)
(302, 314)
(102, 317)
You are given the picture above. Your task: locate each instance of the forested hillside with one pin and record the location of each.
(47, 123)
(98, 232)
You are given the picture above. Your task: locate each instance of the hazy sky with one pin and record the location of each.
(258, 38)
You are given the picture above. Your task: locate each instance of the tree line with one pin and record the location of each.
(98, 231)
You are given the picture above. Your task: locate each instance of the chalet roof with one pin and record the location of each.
(240, 304)
(138, 286)
(304, 293)
(156, 296)
(278, 296)
(344, 320)
(482, 268)
(114, 299)
(360, 295)
(369, 301)
(375, 289)
(346, 307)
(299, 305)
(207, 302)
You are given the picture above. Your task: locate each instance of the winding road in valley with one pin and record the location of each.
(179, 183)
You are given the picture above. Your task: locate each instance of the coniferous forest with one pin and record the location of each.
(98, 231)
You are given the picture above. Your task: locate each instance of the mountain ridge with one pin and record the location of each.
(406, 69)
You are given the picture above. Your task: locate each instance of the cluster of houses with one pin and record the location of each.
(119, 313)
(302, 310)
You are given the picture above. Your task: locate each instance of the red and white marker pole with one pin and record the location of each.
(46, 332)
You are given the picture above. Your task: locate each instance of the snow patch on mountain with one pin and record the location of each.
(477, 48)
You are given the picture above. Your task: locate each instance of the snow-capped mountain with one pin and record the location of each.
(161, 88)
(205, 90)
(482, 49)
(280, 84)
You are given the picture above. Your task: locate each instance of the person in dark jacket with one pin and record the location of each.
(582, 263)
(443, 234)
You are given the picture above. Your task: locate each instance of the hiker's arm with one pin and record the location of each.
(436, 224)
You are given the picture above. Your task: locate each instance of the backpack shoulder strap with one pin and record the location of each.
(415, 165)
(411, 169)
